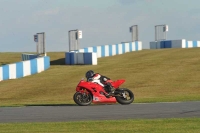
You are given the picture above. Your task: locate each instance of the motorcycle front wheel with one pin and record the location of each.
(125, 96)
(82, 99)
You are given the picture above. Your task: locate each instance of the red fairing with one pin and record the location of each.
(116, 83)
(98, 91)
(90, 87)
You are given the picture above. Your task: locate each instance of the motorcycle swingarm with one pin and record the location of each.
(119, 93)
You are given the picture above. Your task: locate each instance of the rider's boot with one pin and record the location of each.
(111, 90)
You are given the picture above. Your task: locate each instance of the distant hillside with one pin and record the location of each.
(160, 75)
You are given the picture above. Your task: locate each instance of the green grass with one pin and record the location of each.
(9, 57)
(164, 75)
(187, 125)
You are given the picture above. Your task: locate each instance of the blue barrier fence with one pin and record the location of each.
(24, 68)
(174, 44)
(26, 56)
(76, 58)
(192, 44)
(114, 49)
(89, 55)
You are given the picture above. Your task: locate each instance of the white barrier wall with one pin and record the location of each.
(115, 49)
(174, 44)
(24, 68)
(75, 58)
(89, 55)
(192, 44)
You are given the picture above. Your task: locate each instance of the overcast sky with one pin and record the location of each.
(102, 21)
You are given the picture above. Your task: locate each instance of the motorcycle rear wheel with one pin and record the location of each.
(126, 96)
(82, 99)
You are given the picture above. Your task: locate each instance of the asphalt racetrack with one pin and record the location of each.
(65, 113)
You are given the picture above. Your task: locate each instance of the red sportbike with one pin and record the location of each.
(88, 92)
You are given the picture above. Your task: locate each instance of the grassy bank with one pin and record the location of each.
(187, 125)
(162, 75)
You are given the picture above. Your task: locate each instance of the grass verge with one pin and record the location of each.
(185, 125)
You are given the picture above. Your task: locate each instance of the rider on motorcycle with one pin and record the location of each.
(100, 79)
